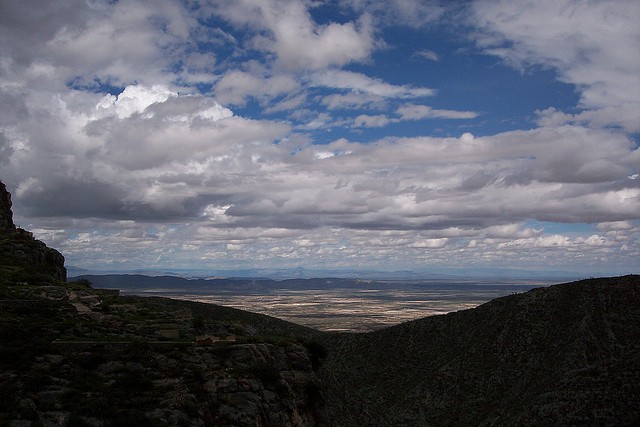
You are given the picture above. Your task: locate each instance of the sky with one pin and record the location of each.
(329, 135)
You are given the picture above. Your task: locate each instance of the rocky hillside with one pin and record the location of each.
(564, 355)
(76, 356)
(71, 355)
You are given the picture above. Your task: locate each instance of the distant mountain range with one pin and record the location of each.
(303, 273)
(138, 282)
(167, 285)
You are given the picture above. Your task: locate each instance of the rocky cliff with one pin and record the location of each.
(22, 257)
(6, 215)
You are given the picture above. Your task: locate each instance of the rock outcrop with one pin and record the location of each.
(22, 257)
(6, 215)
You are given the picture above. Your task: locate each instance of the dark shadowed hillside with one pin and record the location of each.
(564, 355)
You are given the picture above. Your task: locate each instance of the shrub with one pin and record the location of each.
(82, 283)
(317, 352)
(197, 321)
(266, 372)
(313, 391)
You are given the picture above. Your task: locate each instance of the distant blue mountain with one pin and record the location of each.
(174, 285)
(354, 273)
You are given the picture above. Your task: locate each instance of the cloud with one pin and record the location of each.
(619, 117)
(469, 182)
(410, 112)
(364, 120)
(353, 100)
(593, 45)
(134, 99)
(236, 86)
(67, 197)
(412, 13)
(93, 42)
(360, 83)
(427, 54)
(118, 139)
(418, 112)
(119, 156)
(295, 38)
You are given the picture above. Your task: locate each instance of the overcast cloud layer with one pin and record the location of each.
(290, 133)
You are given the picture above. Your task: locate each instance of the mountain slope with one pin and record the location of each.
(567, 354)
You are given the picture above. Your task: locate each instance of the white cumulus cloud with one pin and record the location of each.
(591, 44)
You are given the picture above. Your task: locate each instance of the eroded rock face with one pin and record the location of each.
(6, 215)
(35, 255)
(24, 257)
(272, 385)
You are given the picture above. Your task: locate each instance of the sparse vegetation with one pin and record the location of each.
(317, 351)
(198, 323)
